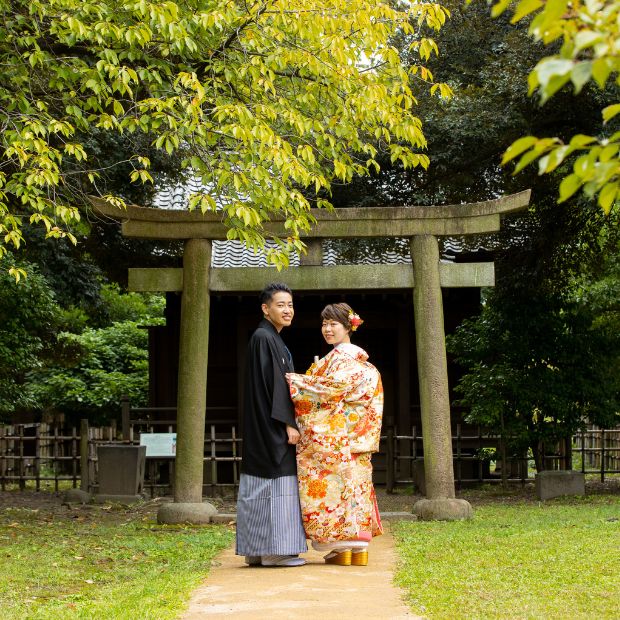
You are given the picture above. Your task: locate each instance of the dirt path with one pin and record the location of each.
(315, 590)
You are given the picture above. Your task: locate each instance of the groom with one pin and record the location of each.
(269, 527)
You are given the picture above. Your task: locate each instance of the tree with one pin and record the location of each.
(543, 306)
(486, 62)
(256, 99)
(97, 367)
(94, 360)
(75, 359)
(28, 323)
(586, 36)
(544, 356)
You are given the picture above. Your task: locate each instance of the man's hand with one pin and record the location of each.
(293, 435)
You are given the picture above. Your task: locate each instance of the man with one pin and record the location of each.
(269, 527)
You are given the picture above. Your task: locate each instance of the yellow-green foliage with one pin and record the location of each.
(257, 99)
(589, 35)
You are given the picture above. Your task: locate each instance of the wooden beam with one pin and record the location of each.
(314, 278)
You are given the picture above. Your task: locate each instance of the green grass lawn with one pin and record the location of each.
(558, 559)
(94, 562)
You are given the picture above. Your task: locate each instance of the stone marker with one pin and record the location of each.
(551, 484)
(121, 473)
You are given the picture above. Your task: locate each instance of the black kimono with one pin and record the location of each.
(267, 406)
(268, 510)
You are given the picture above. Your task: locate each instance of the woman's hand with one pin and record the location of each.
(293, 435)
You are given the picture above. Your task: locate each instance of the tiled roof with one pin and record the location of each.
(235, 254)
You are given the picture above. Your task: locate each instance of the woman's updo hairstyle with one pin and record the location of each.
(338, 312)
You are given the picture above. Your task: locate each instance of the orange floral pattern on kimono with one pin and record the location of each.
(338, 409)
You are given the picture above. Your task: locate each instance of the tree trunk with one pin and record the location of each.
(539, 456)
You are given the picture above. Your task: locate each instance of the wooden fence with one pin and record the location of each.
(41, 452)
(598, 450)
(592, 451)
(32, 454)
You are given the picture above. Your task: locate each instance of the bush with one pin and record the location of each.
(96, 368)
(28, 324)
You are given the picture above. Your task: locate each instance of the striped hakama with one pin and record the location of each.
(269, 517)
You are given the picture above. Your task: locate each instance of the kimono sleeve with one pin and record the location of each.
(316, 388)
(363, 409)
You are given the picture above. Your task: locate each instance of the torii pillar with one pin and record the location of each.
(433, 380)
(192, 389)
(422, 225)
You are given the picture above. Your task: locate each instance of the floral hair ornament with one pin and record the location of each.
(354, 320)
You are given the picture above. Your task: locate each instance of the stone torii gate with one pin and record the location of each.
(197, 279)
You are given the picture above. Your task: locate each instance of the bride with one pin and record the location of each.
(338, 410)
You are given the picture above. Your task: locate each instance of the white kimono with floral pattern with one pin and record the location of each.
(338, 409)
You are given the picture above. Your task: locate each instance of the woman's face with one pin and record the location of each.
(334, 332)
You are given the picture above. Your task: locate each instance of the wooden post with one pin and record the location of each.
(459, 465)
(84, 469)
(56, 454)
(403, 420)
(234, 456)
(37, 457)
(74, 440)
(125, 418)
(389, 457)
(504, 462)
(3, 454)
(433, 378)
(602, 455)
(20, 453)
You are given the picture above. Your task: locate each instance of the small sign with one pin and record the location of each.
(159, 444)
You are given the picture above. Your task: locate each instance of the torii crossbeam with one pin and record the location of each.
(197, 279)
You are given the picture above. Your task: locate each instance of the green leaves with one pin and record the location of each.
(256, 100)
(29, 316)
(590, 33)
(518, 147)
(608, 195)
(597, 169)
(610, 111)
(569, 185)
(549, 75)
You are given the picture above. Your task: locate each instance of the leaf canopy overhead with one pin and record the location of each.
(586, 35)
(260, 100)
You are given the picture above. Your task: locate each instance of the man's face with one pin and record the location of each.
(279, 310)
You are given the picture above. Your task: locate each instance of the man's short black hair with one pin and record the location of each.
(271, 289)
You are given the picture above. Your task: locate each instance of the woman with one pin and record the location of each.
(338, 409)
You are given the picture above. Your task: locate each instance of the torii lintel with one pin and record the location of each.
(462, 219)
